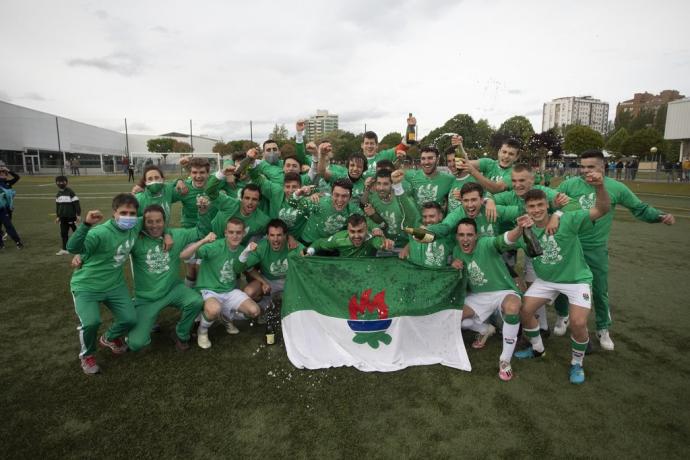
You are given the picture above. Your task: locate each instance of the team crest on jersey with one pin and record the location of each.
(427, 193)
(587, 201)
(496, 178)
(288, 215)
(486, 230)
(122, 252)
(552, 251)
(476, 274)
(227, 274)
(391, 221)
(279, 267)
(334, 223)
(435, 255)
(453, 204)
(157, 260)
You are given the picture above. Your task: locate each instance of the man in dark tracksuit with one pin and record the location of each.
(67, 210)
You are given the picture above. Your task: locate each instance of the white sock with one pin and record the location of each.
(578, 351)
(474, 325)
(535, 339)
(510, 332)
(540, 314)
(204, 325)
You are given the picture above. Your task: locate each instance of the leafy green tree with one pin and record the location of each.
(642, 140)
(541, 143)
(390, 140)
(182, 147)
(616, 141)
(581, 138)
(461, 124)
(483, 133)
(623, 120)
(279, 134)
(160, 145)
(517, 127)
(644, 120)
(222, 148)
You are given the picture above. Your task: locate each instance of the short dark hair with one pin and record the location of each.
(358, 156)
(154, 208)
(250, 187)
(61, 179)
(371, 135)
(292, 177)
(510, 142)
(239, 156)
(429, 148)
(383, 173)
(356, 219)
(522, 167)
(385, 164)
(470, 187)
(344, 183)
(125, 199)
(535, 194)
(199, 162)
(235, 221)
(292, 157)
(432, 205)
(142, 181)
(277, 223)
(592, 153)
(467, 221)
(268, 141)
(449, 150)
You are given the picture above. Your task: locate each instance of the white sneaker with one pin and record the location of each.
(231, 328)
(62, 252)
(605, 339)
(203, 341)
(561, 325)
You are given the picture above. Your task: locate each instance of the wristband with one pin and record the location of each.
(299, 137)
(220, 175)
(310, 251)
(398, 189)
(558, 213)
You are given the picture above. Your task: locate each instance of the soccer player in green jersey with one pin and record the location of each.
(356, 165)
(245, 209)
(428, 183)
(562, 269)
(156, 190)
(435, 254)
(356, 241)
(156, 278)
(279, 204)
(595, 240)
(103, 250)
(461, 178)
(217, 281)
(492, 288)
(494, 175)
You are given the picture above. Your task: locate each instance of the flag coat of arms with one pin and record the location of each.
(375, 314)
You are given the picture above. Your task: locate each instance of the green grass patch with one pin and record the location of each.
(243, 399)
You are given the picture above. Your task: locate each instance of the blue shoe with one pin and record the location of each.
(528, 353)
(577, 374)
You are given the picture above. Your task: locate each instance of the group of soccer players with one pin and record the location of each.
(245, 220)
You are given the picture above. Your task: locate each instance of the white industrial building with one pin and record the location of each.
(583, 110)
(36, 142)
(678, 126)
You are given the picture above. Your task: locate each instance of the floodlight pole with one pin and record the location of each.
(191, 139)
(129, 155)
(64, 158)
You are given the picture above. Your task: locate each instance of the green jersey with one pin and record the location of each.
(103, 250)
(220, 266)
(431, 255)
(165, 198)
(190, 213)
(279, 206)
(510, 198)
(425, 188)
(341, 243)
(485, 267)
(397, 213)
(273, 264)
(585, 195)
(388, 154)
(322, 218)
(454, 204)
(506, 216)
(228, 207)
(563, 260)
(492, 170)
(155, 270)
(342, 173)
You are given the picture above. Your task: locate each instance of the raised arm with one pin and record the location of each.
(192, 248)
(603, 201)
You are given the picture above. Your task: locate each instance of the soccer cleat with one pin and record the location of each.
(528, 353)
(20, 245)
(62, 252)
(89, 366)
(577, 374)
(482, 338)
(203, 341)
(505, 371)
(230, 328)
(561, 325)
(180, 345)
(605, 339)
(117, 346)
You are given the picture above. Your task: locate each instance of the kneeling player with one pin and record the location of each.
(492, 288)
(562, 269)
(217, 278)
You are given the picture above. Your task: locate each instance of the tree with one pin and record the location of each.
(222, 148)
(616, 141)
(461, 124)
(642, 140)
(390, 140)
(344, 143)
(581, 138)
(279, 134)
(160, 145)
(517, 127)
(483, 133)
(542, 143)
(182, 147)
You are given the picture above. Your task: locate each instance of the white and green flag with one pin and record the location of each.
(375, 314)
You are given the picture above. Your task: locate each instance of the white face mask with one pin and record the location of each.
(126, 222)
(271, 157)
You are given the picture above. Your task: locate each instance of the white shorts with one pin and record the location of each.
(578, 294)
(530, 274)
(229, 301)
(485, 304)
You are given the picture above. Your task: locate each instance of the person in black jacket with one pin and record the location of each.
(7, 180)
(67, 210)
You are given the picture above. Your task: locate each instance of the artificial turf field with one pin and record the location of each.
(243, 399)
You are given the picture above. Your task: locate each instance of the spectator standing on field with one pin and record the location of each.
(67, 211)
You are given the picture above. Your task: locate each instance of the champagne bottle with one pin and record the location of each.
(532, 248)
(423, 235)
(270, 333)
(242, 167)
(411, 133)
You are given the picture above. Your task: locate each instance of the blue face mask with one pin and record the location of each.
(126, 222)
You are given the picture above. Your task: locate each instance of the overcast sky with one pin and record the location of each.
(223, 63)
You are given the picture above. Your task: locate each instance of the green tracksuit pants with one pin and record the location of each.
(598, 260)
(187, 300)
(87, 306)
